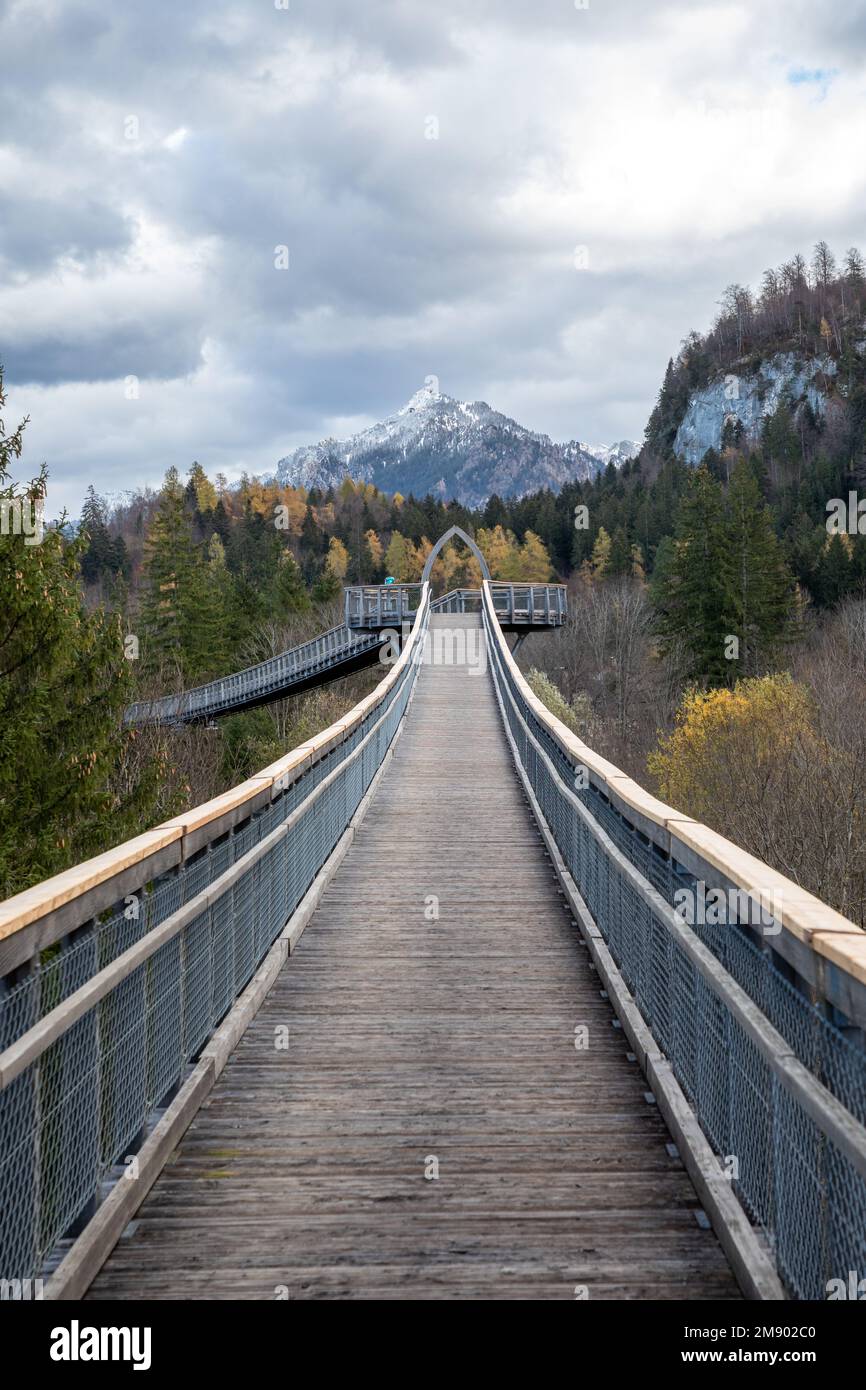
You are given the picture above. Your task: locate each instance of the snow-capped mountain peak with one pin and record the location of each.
(428, 395)
(613, 453)
(435, 443)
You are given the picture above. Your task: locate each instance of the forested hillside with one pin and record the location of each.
(201, 569)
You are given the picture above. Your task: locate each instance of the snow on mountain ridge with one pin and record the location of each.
(435, 443)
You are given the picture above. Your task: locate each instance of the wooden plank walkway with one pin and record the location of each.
(414, 1039)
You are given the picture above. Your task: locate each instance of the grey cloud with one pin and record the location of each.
(160, 348)
(406, 255)
(36, 231)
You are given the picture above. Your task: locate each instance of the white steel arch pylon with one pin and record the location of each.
(443, 541)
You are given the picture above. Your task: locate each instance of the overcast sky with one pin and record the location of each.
(532, 201)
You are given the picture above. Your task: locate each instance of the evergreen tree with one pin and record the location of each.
(220, 522)
(172, 593)
(855, 273)
(665, 417)
(290, 592)
(779, 442)
(620, 556)
(732, 433)
(326, 587)
(210, 630)
(64, 682)
(252, 554)
(760, 584)
(102, 554)
(689, 587)
(495, 513)
(834, 571)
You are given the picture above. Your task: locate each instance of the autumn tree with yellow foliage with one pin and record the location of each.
(399, 558)
(757, 763)
(337, 562)
(508, 560)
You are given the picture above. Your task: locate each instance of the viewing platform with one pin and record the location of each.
(519, 607)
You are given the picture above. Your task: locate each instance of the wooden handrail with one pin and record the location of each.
(833, 937)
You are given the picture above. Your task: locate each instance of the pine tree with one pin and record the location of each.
(210, 635)
(667, 413)
(834, 571)
(689, 587)
(102, 555)
(760, 584)
(290, 592)
(220, 522)
(619, 557)
(325, 588)
(171, 592)
(64, 682)
(252, 553)
(495, 513)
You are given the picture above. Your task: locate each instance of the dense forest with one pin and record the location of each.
(716, 635)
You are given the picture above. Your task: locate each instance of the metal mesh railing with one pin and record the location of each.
(98, 1031)
(516, 605)
(381, 605)
(815, 1039)
(534, 604)
(458, 601)
(778, 1090)
(268, 680)
(540, 605)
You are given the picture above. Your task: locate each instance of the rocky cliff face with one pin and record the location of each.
(449, 448)
(750, 399)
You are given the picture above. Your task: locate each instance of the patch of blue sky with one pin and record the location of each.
(816, 77)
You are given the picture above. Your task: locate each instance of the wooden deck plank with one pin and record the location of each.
(410, 1038)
